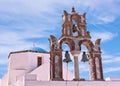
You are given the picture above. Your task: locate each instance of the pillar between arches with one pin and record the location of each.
(76, 65)
(76, 68)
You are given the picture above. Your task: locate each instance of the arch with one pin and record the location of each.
(65, 47)
(67, 41)
(84, 71)
(89, 45)
(75, 17)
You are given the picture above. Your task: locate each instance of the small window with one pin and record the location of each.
(39, 61)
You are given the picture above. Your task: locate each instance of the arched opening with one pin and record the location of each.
(67, 44)
(86, 46)
(67, 41)
(83, 66)
(65, 47)
(74, 27)
(75, 34)
(69, 66)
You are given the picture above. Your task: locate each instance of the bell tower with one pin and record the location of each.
(75, 34)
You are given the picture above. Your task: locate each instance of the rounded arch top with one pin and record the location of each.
(89, 45)
(75, 17)
(67, 41)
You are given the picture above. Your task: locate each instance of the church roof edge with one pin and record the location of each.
(26, 51)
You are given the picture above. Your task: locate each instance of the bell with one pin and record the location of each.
(84, 57)
(67, 57)
(74, 28)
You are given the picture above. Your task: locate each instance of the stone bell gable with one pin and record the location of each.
(75, 34)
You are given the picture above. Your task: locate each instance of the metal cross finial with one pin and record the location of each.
(73, 9)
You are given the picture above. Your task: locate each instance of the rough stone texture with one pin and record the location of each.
(75, 34)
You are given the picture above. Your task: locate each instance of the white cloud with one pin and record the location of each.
(111, 69)
(32, 7)
(106, 19)
(3, 61)
(101, 11)
(106, 56)
(112, 59)
(105, 36)
(104, 11)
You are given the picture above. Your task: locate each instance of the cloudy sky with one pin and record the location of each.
(23, 22)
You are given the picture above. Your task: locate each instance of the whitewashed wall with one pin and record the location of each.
(72, 83)
(0, 82)
(22, 63)
(43, 73)
(4, 81)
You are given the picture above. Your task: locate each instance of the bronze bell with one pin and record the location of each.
(84, 57)
(67, 57)
(74, 28)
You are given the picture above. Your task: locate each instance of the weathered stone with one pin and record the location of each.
(75, 34)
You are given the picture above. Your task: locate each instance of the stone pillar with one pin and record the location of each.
(97, 63)
(92, 68)
(76, 68)
(56, 66)
(101, 69)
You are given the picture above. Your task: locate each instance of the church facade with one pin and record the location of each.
(37, 67)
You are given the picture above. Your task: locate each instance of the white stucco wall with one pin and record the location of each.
(4, 81)
(18, 65)
(112, 79)
(0, 82)
(43, 73)
(22, 63)
(14, 75)
(72, 83)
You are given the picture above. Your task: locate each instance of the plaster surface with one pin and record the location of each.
(72, 83)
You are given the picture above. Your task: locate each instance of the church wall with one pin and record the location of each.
(19, 83)
(19, 61)
(4, 81)
(42, 71)
(34, 56)
(0, 82)
(18, 64)
(15, 75)
(46, 58)
(32, 61)
(22, 63)
(72, 83)
(22, 79)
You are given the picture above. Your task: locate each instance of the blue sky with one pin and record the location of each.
(23, 22)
